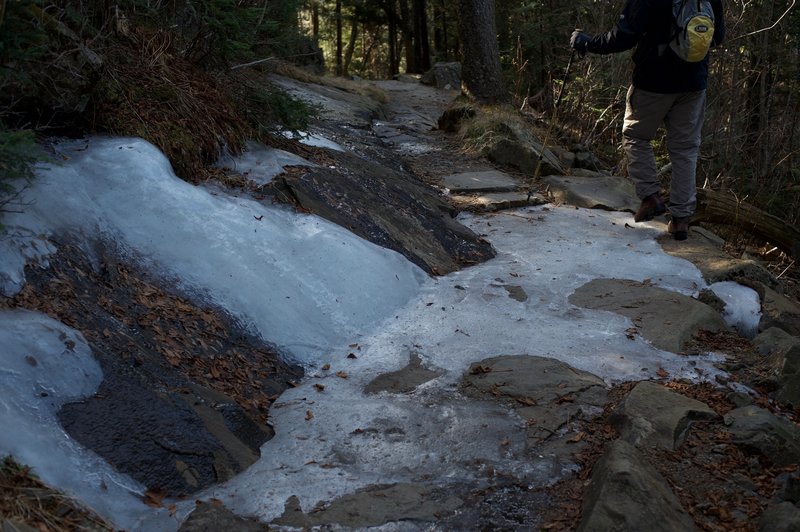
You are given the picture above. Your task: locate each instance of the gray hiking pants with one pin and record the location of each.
(682, 116)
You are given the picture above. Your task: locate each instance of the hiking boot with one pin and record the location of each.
(679, 228)
(651, 206)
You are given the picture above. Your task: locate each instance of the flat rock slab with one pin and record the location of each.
(704, 250)
(404, 380)
(546, 392)
(627, 493)
(653, 416)
(486, 181)
(210, 516)
(602, 192)
(496, 201)
(667, 320)
(783, 517)
(374, 506)
(389, 208)
(776, 437)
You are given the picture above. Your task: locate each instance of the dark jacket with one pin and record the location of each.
(648, 25)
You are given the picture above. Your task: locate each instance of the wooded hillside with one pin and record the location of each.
(150, 68)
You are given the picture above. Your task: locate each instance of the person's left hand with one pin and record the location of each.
(579, 41)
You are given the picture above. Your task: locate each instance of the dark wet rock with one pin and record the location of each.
(374, 506)
(389, 208)
(594, 192)
(653, 416)
(209, 516)
(523, 154)
(151, 417)
(404, 380)
(627, 493)
(483, 181)
(666, 319)
(496, 201)
(443, 76)
(775, 437)
(548, 393)
(782, 517)
(704, 250)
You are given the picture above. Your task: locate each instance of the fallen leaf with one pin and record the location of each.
(478, 370)
(504, 442)
(319, 387)
(341, 374)
(661, 372)
(526, 401)
(154, 498)
(309, 415)
(578, 437)
(326, 367)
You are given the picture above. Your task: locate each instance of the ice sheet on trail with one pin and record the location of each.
(351, 440)
(335, 294)
(302, 282)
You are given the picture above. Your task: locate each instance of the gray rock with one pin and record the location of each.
(783, 517)
(779, 311)
(547, 393)
(598, 192)
(776, 437)
(373, 506)
(704, 250)
(666, 319)
(523, 154)
(404, 380)
(443, 76)
(485, 181)
(782, 352)
(587, 160)
(209, 516)
(653, 416)
(627, 493)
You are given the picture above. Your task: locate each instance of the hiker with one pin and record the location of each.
(669, 87)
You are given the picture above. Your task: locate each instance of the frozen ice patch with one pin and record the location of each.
(742, 307)
(261, 164)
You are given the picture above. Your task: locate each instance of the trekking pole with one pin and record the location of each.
(537, 172)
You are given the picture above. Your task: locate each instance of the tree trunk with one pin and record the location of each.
(482, 78)
(422, 50)
(351, 45)
(394, 62)
(315, 21)
(338, 16)
(407, 28)
(726, 209)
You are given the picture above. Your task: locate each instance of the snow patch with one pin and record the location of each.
(260, 163)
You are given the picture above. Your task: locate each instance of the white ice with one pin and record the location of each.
(305, 284)
(260, 163)
(312, 139)
(742, 307)
(320, 293)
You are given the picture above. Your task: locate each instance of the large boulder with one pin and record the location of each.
(666, 319)
(653, 416)
(627, 493)
(783, 355)
(757, 428)
(442, 75)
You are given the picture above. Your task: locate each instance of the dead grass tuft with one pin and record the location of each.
(26, 501)
(356, 87)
